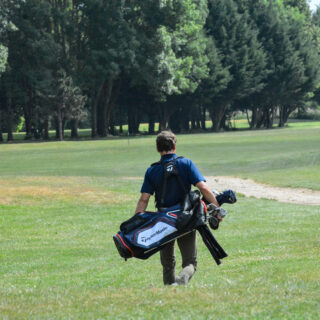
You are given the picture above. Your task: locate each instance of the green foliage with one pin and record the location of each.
(176, 61)
(301, 5)
(241, 54)
(67, 102)
(316, 17)
(3, 58)
(170, 56)
(218, 77)
(4, 26)
(20, 124)
(68, 98)
(292, 68)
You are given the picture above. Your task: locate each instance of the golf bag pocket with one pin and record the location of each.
(157, 228)
(154, 234)
(132, 223)
(144, 234)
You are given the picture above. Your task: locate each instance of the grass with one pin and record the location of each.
(284, 157)
(60, 204)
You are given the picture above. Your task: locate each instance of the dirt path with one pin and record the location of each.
(250, 188)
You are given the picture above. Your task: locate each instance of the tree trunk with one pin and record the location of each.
(63, 124)
(194, 117)
(94, 106)
(151, 123)
(112, 129)
(193, 123)
(27, 109)
(203, 118)
(59, 133)
(101, 119)
(253, 122)
(268, 117)
(103, 105)
(175, 122)
(226, 123)
(184, 115)
(114, 95)
(259, 120)
(164, 116)
(133, 120)
(130, 120)
(46, 128)
(1, 136)
(198, 118)
(9, 119)
(216, 115)
(94, 120)
(137, 123)
(74, 128)
(56, 124)
(163, 124)
(284, 113)
(120, 118)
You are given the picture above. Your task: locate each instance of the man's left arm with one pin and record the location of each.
(143, 202)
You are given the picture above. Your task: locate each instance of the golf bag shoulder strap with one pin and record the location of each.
(170, 170)
(159, 162)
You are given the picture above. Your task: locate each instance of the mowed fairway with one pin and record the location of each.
(61, 203)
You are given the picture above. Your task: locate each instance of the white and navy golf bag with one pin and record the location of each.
(148, 232)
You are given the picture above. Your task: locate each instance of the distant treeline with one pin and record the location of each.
(105, 63)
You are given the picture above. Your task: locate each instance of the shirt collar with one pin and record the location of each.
(168, 157)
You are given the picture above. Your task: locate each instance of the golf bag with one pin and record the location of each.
(148, 232)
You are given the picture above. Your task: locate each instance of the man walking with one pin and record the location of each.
(174, 194)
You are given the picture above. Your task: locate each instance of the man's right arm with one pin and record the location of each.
(207, 193)
(197, 179)
(143, 202)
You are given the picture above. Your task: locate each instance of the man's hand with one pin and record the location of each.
(207, 193)
(143, 202)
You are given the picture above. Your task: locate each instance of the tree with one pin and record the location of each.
(5, 25)
(316, 18)
(301, 5)
(109, 43)
(168, 61)
(3, 54)
(68, 102)
(32, 57)
(176, 60)
(291, 64)
(241, 54)
(216, 81)
(3, 62)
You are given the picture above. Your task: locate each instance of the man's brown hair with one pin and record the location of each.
(166, 141)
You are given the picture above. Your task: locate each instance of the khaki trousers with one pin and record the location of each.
(188, 249)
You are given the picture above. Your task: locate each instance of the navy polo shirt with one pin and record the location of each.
(188, 172)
